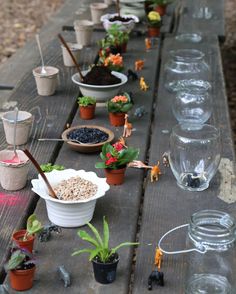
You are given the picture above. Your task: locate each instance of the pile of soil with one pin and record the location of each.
(120, 18)
(100, 76)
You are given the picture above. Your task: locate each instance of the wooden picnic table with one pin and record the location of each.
(137, 210)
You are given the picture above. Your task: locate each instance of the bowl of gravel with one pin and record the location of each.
(77, 192)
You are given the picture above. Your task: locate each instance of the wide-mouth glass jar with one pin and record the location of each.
(186, 68)
(194, 155)
(192, 106)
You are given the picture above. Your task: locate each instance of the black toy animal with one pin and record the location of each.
(155, 277)
(45, 234)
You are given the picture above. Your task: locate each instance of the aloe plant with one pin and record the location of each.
(33, 226)
(101, 249)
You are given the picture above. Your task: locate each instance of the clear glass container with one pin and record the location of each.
(214, 271)
(194, 155)
(192, 106)
(186, 69)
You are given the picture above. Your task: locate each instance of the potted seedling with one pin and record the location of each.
(25, 238)
(86, 107)
(104, 258)
(21, 267)
(154, 24)
(114, 161)
(117, 107)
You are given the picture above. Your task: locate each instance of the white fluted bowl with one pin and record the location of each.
(69, 213)
(124, 26)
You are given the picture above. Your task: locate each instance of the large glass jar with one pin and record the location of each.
(194, 155)
(186, 69)
(213, 272)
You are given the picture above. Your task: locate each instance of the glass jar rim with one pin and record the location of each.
(213, 229)
(191, 130)
(187, 55)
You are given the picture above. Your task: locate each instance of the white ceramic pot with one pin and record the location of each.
(83, 31)
(100, 93)
(97, 10)
(46, 83)
(23, 126)
(75, 49)
(69, 213)
(13, 176)
(124, 26)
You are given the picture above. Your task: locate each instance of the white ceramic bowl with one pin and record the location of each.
(124, 26)
(100, 93)
(69, 213)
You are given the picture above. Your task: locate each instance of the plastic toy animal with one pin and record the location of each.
(132, 75)
(155, 172)
(143, 85)
(127, 128)
(121, 140)
(139, 111)
(165, 159)
(64, 275)
(139, 64)
(45, 234)
(148, 43)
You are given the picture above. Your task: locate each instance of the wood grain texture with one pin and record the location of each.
(120, 205)
(165, 204)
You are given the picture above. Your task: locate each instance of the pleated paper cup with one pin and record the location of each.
(46, 83)
(83, 31)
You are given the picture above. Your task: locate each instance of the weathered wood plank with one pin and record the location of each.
(165, 204)
(120, 205)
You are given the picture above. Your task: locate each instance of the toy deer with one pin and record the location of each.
(155, 172)
(127, 128)
(139, 64)
(143, 85)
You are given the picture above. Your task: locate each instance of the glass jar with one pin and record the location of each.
(194, 155)
(186, 69)
(192, 106)
(214, 271)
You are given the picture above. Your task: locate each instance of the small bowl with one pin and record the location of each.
(100, 93)
(73, 213)
(87, 148)
(124, 26)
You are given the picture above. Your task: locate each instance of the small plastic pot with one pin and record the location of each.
(117, 119)
(105, 273)
(28, 244)
(115, 176)
(22, 280)
(87, 112)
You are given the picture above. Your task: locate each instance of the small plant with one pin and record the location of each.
(113, 61)
(48, 167)
(154, 19)
(20, 259)
(116, 156)
(86, 101)
(101, 251)
(33, 226)
(120, 103)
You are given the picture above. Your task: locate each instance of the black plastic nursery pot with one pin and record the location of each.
(105, 273)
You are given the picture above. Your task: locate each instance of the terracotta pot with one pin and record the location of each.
(17, 237)
(21, 280)
(161, 9)
(87, 112)
(153, 32)
(117, 119)
(115, 176)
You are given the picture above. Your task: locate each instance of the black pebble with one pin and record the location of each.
(192, 181)
(88, 135)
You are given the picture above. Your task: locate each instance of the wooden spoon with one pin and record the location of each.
(71, 55)
(35, 163)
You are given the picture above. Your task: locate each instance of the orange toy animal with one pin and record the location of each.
(148, 43)
(139, 64)
(143, 85)
(155, 172)
(158, 258)
(127, 128)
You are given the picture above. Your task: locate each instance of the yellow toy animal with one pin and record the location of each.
(143, 85)
(155, 172)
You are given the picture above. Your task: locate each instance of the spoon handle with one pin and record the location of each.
(14, 134)
(40, 49)
(35, 163)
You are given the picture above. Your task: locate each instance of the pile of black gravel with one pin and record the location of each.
(88, 135)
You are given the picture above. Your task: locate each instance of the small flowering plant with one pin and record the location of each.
(120, 103)
(114, 62)
(116, 156)
(154, 19)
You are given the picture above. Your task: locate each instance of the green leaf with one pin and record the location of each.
(16, 259)
(86, 237)
(78, 252)
(113, 250)
(96, 234)
(100, 165)
(33, 225)
(105, 233)
(94, 253)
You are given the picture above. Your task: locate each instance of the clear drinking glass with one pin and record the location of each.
(192, 106)
(214, 271)
(186, 68)
(194, 155)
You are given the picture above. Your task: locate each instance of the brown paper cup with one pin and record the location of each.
(83, 31)
(97, 10)
(46, 83)
(75, 49)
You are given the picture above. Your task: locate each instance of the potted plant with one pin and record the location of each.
(48, 167)
(25, 238)
(104, 258)
(160, 5)
(154, 24)
(21, 267)
(113, 61)
(117, 107)
(114, 161)
(87, 106)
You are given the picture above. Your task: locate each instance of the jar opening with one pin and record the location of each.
(187, 55)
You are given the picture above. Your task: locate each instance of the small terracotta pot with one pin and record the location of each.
(17, 237)
(153, 32)
(87, 112)
(161, 9)
(21, 280)
(115, 176)
(117, 119)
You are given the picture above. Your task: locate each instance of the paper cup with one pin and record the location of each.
(46, 83)
(97, 10)
(75, 49)
(83, 31)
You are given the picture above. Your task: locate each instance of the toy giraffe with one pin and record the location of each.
(143, 85)
(155, 172)
(121, 140)
(127, 128)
